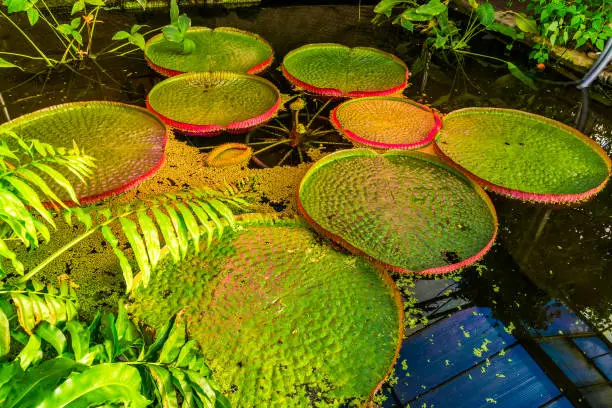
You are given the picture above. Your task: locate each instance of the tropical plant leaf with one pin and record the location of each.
(31, 353)
(5, 64)
(5, 334)
(486, 14)
(111, 382)
(516, 71)
(163, 383)
(52, 335)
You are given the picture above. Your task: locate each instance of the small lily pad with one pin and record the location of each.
(524, 156)
(219, 49)
(229, 154)
(386, 123)
(127, 142)
(407, 211)
(282, 316)
(339, 71)
(207, 103)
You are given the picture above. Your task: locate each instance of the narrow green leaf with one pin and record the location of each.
(174, 11)
(52, 335)
(224, 211)
(59, 179)
(29, 196)
(126, 269)
(77, 6)
(138, 246)
(5, 64)
(176, 339)
(116, 382)
(167, 231)
(161, 338)
(514, 70)
(25, 312)
(525, 24)
(151, 237)
(179, 379)
(192, 225)
(188, 352)
(163, 382)
(79, 338)
(207, 207)
(83, 216)
(179, 229)
(5, 334)
(31, 353)
(202, 387)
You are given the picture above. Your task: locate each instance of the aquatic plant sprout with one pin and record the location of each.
(218, 49)
(96, 127)
(386, 122)
(407, 211)
(524, 156)
(339, 71)
(229, 154)
(282, 316)
(207, 103)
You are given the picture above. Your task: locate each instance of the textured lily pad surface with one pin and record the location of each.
(284, 318)
(407, 211)
(337, 70)
(127, 142)
(524, 156)
(206, 103)
(386, 123)
(219, 49)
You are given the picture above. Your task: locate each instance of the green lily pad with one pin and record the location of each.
(407, 211)
(524, 156)
(206, 103)
(386, 123)
(283, 317)
(219, 49)
(337, 70)
(127, 142)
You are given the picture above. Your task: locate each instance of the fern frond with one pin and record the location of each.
(25, 193)
(174, 221)
(33, 305)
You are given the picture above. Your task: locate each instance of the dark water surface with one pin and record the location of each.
(564, 253)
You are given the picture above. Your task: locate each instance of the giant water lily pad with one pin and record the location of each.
(407, 211)
(206, 103)
(386, 123)
(524, 156)
(284, 318)
(337, 70)
(219, 49)
(127, 142)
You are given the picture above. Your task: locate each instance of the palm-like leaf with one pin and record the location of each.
(174, 221)
(25, 192)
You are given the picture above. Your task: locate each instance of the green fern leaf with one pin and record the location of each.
(191, 224)
(151, 237)
(138, 246)
(168, 233)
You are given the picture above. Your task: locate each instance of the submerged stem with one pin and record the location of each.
(42, 54)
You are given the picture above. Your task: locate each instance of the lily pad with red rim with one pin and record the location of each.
(229, 154)
(127, 142)
(524, 156)
(386, 122)
(406, 211)
(283, 316)
(207, 103)
(219, 49)
(339, 71)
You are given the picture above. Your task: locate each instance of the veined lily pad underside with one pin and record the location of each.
(283, 316)
(524, 156)
(339, 71)
(219, 49)
(406, 211)
(127, 142)
(207, 103)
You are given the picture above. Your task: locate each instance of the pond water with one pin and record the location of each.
(541, 254)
